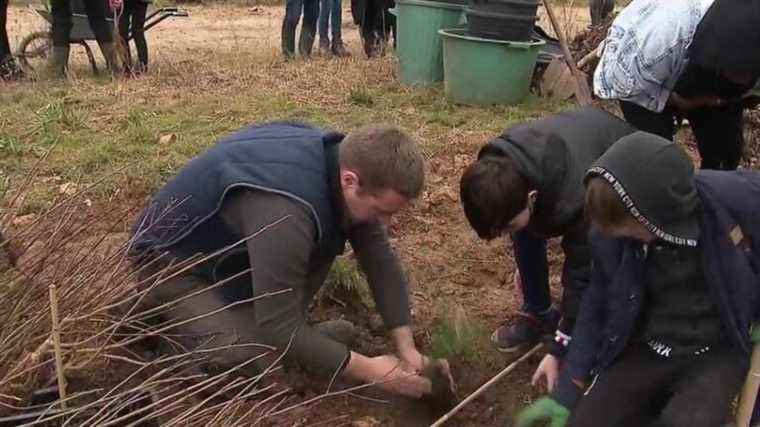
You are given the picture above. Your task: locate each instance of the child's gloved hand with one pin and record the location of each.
(543, 409)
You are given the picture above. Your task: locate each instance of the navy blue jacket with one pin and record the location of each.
(292, 159)
(730, 238)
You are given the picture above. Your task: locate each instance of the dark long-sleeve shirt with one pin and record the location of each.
(286, 256)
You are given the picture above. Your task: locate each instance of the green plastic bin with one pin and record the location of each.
(418, 45)
(482, 71)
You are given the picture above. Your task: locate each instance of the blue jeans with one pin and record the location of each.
(329, 16)
(530, 255)
(293, 9)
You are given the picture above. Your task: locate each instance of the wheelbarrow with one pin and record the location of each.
(35, 48)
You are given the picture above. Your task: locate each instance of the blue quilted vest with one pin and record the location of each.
(292, 159)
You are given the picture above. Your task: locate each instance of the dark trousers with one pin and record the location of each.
(96, 16)
(5, 45)
(377, 25)
(293, 10)
(219, 339)
(717, 130)
(643, 389)
(330, 18)
(132, 21)
(530, 255)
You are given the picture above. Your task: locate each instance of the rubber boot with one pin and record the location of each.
(109, 53)
(324, 47)
(306, 41)
(339, 49)
(288, 39)
(60, 60)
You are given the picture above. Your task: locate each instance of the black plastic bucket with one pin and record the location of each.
(508, 7)
(499, 26)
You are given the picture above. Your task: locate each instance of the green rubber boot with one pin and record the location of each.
(109, 53)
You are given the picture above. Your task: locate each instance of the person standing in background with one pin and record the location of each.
(293, 10)
(96, 10)
(330, 17)
(666, 61)
(132, 21)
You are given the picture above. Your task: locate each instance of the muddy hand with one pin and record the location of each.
(414, 361)
(445, 368)
(391, 377)
(443, 394)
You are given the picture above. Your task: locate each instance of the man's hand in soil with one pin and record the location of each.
(544, 409)
(547, 370)
(407, 351)
(414, 361)
(389, 374)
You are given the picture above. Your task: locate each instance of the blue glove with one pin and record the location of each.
(544, 409)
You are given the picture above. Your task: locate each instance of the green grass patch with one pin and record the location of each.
(455, 335)
(150, 127)
(346, 284)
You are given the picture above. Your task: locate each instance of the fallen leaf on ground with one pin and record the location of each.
(67, 188)
(167, 138)
(24, 219)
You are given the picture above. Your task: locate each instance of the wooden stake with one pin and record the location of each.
(59, 370)
(485, 386)
(749, 392)
(582, 91)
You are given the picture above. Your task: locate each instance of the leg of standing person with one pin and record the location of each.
(338, 48)
(720, 135)
(5, 45)
(369, 28)
(309, 27)
(62, 23)
(138, 34)
(324, 22)
(124, 24)
(662, 124)
(96, 16)
(289, 23)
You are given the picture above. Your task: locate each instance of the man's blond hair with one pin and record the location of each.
(385, 158)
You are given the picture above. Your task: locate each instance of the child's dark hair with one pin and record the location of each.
(493, 192)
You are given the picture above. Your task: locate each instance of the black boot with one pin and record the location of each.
(324, 47)
(339, 49)
(60, 60)
(109, 53)
(288, 39)
(306, 41)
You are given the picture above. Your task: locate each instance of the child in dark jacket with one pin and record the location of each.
(664, 327)
(528, 182)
